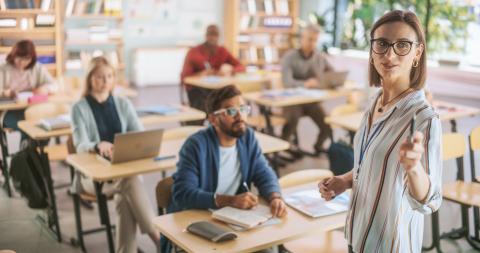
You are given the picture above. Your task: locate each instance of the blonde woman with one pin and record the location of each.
(97, 117)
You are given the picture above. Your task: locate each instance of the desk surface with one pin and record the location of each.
(216, 82)
(294, 225)
(32, 129)
(186, 114)
(261, 99)
(101, 170)
(446, 111)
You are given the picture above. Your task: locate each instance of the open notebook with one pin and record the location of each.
(312, 204)
(243, 218)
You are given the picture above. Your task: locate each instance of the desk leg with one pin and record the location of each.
(266, 112)
(6, 173)
(52, 210)
(453, 125)
(104, 216)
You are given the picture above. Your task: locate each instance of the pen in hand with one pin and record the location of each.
(412, 129)
(245, 186)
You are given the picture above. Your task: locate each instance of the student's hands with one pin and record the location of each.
(311, 83)
(9, 93)
(225, 70)
(411, 153)
(332, 186)
(278, 207)
(105, 149)
(245, 200)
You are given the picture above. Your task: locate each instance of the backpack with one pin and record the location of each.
(29, 176)
(340, 156)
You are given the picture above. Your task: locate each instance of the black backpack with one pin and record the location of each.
(29, 177)
(340, 156)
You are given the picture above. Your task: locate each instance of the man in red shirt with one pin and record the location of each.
(207, 58)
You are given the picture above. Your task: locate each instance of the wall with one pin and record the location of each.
(166, 23)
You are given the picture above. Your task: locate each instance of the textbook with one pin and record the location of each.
(312, 204)
(243, 218)
(56, 123)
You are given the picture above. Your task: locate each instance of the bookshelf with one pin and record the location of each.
(93, 28)
(258, 32)
(39, 21)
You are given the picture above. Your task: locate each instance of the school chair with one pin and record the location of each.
(464, 193)
(474, 143)
(332, 241)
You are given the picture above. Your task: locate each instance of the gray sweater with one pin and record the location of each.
(85, 131)
(296, 68)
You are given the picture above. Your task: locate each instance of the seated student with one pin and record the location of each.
(304, 67)
(96, 119)
(20, 73)
(208, 58)
(216, 162)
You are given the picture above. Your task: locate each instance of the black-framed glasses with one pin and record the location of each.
(233, 111)
(401, 47)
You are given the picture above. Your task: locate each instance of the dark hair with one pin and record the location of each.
(23, 48)
(216, 97)
(419, 73)
(95, 64)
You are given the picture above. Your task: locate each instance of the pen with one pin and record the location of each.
(412, 128)
(246, 186)
(161, 158)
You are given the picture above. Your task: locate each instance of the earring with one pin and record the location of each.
(415, 64)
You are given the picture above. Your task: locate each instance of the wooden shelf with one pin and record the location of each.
(94, 16)
(28, 31)
(89, 42)
(39, 49)
(24, 12)
(258, 62)
(247, 46)
(268, 30)
(263, 14)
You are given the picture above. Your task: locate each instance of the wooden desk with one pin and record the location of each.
(447, 112)
(186, 114)
(260, 98)
(100, 170)
(217, 82)
(295, 225)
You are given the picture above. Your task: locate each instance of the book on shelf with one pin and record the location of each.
(19, 4)
(113, 7)
(252, 6)
(268, 6)
(46, 59)
(282, 7)
(3, 5)
(243, 218)
(8, 22)
(69, 7)
(45, 5)
(78, 60)
(278, 22)
(43, 20)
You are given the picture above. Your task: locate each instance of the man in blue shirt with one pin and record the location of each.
(218, 165)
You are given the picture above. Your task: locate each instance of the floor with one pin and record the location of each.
(20, 230)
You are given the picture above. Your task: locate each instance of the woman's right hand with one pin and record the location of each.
(333, 186)
(105, 148)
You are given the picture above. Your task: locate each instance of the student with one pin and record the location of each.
(20, 73)
(208, 58)
(96, 118)
(396, 178)
(305, 67)
(218, 165)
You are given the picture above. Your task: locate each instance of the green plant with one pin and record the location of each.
(447, 28)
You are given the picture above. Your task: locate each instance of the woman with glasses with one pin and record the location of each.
(96, 118)
(396, 178)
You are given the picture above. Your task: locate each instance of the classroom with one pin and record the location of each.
(273, 126)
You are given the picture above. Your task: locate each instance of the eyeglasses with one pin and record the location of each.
(233, 111)
(401, 47)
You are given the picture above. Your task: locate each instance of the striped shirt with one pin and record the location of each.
(383, 216)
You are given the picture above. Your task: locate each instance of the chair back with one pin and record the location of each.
(46, 110)
(163, 192)
(453, 145)
(475, 139)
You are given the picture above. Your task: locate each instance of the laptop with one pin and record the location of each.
(136, 145)
(333, 79)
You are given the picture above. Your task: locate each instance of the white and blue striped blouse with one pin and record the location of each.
(383, 216)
